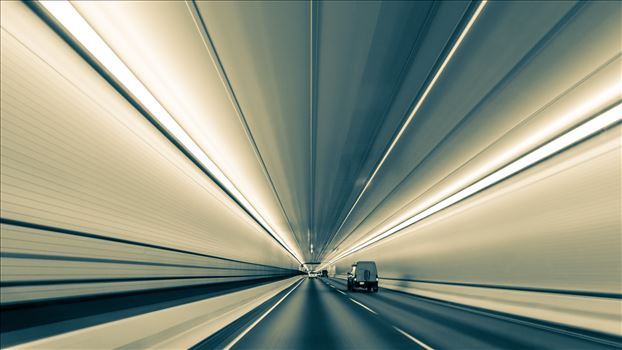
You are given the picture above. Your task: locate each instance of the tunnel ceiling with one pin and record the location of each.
(316, 83)
(298, 102)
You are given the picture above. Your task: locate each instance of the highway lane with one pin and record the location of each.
(444, 325)
(32, 321)
(315, 316)
(320, 313)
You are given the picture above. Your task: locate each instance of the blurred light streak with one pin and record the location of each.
(65, 14)
(536, 138)
(606, 119)
(417, 106)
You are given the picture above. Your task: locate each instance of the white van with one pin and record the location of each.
(363, 275)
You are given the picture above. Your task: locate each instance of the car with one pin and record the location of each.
(312, 274)
(324, 273)
(363, 276)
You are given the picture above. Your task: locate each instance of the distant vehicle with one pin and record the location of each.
(363, 275)
(312, 274)
(324, 273)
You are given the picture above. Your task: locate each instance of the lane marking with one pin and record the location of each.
(363, 306)
(419, 342)
(241, 335)
(515, 320)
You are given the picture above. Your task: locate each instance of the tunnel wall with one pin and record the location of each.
(44, 264)
(544, 244)
(94, 199)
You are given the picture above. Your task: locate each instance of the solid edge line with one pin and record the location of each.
(510, 318)
(241, 335)
(419, 342)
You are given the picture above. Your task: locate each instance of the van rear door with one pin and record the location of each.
(366, 271)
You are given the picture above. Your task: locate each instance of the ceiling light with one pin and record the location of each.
(417, 106)
(606, 119)
(65, 14)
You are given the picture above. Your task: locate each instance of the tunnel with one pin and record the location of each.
(311, 175)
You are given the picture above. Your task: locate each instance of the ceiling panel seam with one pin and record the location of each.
(213, 53)
(513, 72)
(396, 89)
(83, 52)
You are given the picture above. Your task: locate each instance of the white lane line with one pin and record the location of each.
(341, 292)
(241, 335)
(515, 320)
(363, 306)
(419, 342)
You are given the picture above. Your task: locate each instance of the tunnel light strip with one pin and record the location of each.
(585, 130)
(77, 26)
(417, 106)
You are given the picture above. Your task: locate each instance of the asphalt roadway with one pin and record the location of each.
(321, 314)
